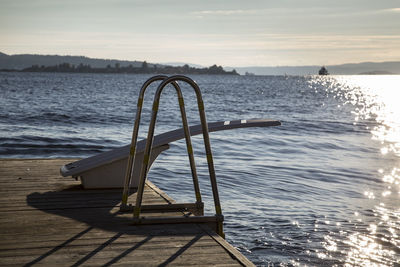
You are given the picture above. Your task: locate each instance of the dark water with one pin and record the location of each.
(320, 190)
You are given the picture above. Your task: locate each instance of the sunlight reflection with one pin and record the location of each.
(375, 106)
(379, 100)
(367, 252)
(374, 97)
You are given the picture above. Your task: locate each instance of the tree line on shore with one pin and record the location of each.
(145, 69)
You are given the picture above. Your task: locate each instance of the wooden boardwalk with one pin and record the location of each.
(49, 220)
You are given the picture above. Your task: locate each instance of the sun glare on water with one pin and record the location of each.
(372, 237)
(377, 99)
(381, 99)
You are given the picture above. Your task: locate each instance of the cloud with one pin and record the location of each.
(315, 11)
(392, 10)
(223, 12)
(207, 49)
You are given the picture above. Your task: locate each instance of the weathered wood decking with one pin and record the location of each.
(49, 220)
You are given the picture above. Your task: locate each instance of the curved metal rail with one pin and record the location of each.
(146, 158)
(131, 159)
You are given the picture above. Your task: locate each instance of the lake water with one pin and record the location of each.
(320, 190)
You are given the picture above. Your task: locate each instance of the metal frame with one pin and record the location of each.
(195, 208)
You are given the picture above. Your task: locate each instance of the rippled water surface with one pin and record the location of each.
(320, 190)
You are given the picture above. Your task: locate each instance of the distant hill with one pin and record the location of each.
(80, 64)
(344, 69)
(23, 61)
(376, 72)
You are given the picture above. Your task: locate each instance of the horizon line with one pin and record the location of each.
(183, 63)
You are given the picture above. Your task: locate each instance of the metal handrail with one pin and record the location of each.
(147, 151)
(131, 159)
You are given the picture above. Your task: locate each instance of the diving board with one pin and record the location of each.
(107, 170)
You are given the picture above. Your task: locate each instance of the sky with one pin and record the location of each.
(223, 32)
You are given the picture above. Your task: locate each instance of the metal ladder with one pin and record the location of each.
(193, 212)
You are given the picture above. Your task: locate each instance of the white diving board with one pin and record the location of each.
(107, 170)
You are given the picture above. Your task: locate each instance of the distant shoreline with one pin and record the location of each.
(173, 73)
(144, 69)
(23, 61)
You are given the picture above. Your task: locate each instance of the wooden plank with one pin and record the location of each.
(49, 220)
(99, 239)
